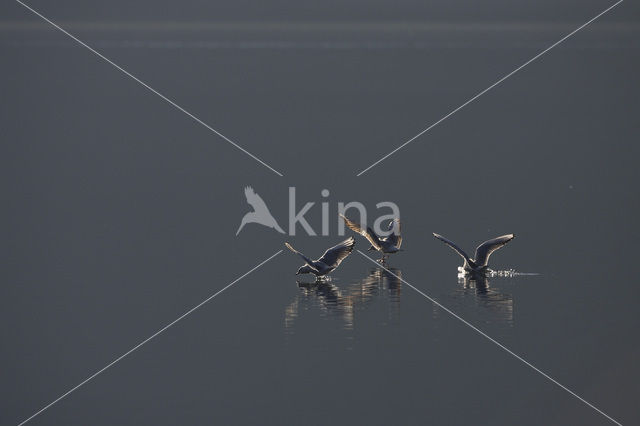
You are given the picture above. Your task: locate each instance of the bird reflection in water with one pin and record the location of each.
(498, 303)
(345, 302)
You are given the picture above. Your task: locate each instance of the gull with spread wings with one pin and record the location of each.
(480, 263)
(385, 245)
(329, 260)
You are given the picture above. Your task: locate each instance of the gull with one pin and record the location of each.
(484, 250)
(260, 213)
(329, 260)
(385, 245)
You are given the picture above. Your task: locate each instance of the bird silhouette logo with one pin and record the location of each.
(260, 213)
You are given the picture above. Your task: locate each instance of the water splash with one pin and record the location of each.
(507, 273)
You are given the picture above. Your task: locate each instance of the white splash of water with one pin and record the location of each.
(507, 273)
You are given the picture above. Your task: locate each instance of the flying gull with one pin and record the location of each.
(385, 245)
(329, 260)
(484, 250)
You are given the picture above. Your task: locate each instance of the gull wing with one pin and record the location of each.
(305, 258)
(367, 233)
(485, 249)
(395, 237)
(336, 254)
(453, 246)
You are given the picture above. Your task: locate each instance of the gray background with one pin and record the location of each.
(119, 212)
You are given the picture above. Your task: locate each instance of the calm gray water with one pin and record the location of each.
(119, 213)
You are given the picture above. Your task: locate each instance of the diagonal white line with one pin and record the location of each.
(490, 87)
(492, 340)
(190, 311)
(127, 73)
